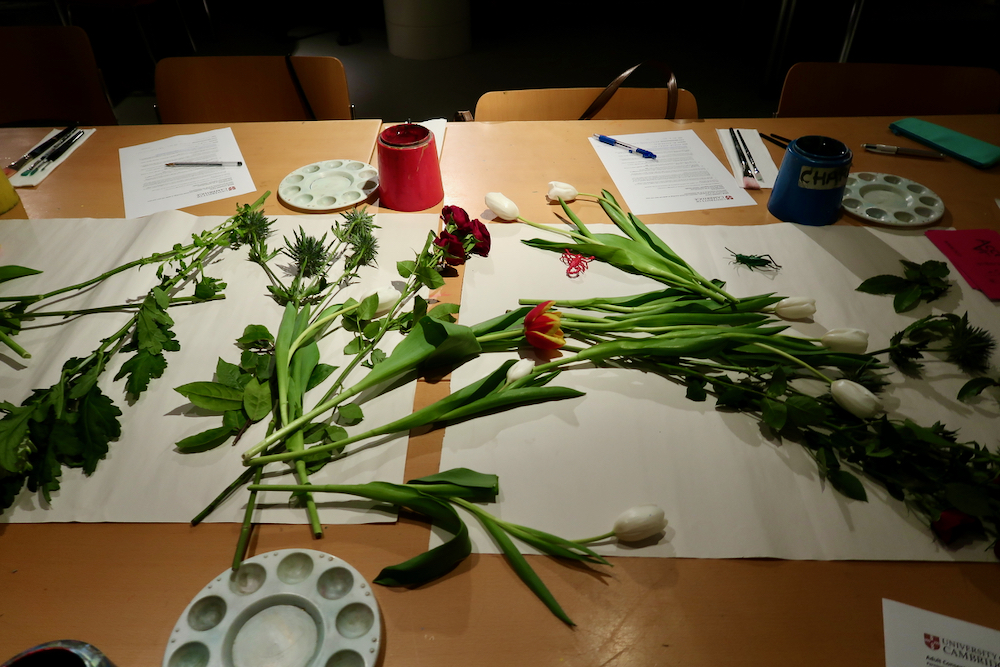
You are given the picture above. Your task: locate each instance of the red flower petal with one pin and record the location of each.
(541, 327)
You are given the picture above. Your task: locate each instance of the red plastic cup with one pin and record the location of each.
(409, 174)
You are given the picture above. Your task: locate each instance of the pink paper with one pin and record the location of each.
(976, 255)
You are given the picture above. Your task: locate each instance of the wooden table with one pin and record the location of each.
(123, 586)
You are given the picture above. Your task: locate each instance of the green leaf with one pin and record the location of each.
(973, 500)
(975, 387)
(907, 299)
(234, 420)
(13, 433)
(847, 484)
(255, 336)
(204, 441)
(140, 369)
(522, 568)
(212, 396)
(444, 311)
(12, 271)
(805, 411)
(405, 268)
(97, 425)
(884, 284)
(429, 277)
(320, 373)
(462, 477)
(774, 413)
(257, 400)
(350, 414)
(695, 388)
(353, 347)
(368, 307)
(227, 373)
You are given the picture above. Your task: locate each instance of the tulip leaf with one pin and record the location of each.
(462, 477)
(521, 567)
(847, 484)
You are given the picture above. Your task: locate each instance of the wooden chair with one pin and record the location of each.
(52, 79)
(863, 89)
(570, 103)
(233, 89)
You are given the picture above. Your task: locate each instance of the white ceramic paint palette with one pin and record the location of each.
(891, 200)
(327, 186)
(287, 608)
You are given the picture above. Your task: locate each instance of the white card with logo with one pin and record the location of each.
(918, 638)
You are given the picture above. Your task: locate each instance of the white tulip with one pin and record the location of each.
(519, 370)
(855, 399)
(853, 341)
(795, 308)
(387, 298)
(639, 523)
(502, 207)
(564, 190)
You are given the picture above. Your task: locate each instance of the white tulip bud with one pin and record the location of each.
(853, 341)
(564, 190)
(387, 298)
(502, 207)
(639, 523)
(795, 308)
(855, 399)
(519, 370)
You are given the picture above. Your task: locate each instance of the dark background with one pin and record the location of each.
(724, 52)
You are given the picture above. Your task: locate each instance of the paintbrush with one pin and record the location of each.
(749, 182)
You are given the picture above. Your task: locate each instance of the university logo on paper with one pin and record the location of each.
(933, 643)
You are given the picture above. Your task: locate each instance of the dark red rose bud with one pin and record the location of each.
(953, 524)
(455, 215)
(454, 251)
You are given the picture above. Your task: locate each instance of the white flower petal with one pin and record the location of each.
(501, 206)
(845, 339)
(795, 308)
(558, 189)
(639, 523)
(855, 398)
(520, 369)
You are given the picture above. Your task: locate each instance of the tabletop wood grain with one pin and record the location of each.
(122, 587)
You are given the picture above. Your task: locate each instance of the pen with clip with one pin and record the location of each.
(899, 150)
(204, 164)
(40, 149)
(55, 153)
(631, 149)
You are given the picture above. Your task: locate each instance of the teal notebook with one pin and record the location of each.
(959, 146)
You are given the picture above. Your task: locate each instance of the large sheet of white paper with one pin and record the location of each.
(729, 491)
(684, 176)
(149, 186)
(145, 478)
(918, 638)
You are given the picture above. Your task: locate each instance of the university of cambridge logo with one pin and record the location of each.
(933, 643)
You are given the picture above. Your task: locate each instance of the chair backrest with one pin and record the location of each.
(51, 78)
(570, 103)
(874, 89)
(232, 89)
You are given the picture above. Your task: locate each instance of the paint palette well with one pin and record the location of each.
(328, 186)
(293, 607)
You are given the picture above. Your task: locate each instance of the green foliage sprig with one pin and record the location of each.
(919, 282)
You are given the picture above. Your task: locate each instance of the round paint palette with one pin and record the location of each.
(293, 607)
(327, 186)
(891, 200)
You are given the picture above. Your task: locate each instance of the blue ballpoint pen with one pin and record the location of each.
(631, 149)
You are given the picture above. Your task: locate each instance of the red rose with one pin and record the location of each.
(481, 235)
(541, 327)
(953, 524)
(454, 215)
(454, 251)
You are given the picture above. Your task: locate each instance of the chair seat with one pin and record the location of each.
(571, 103)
